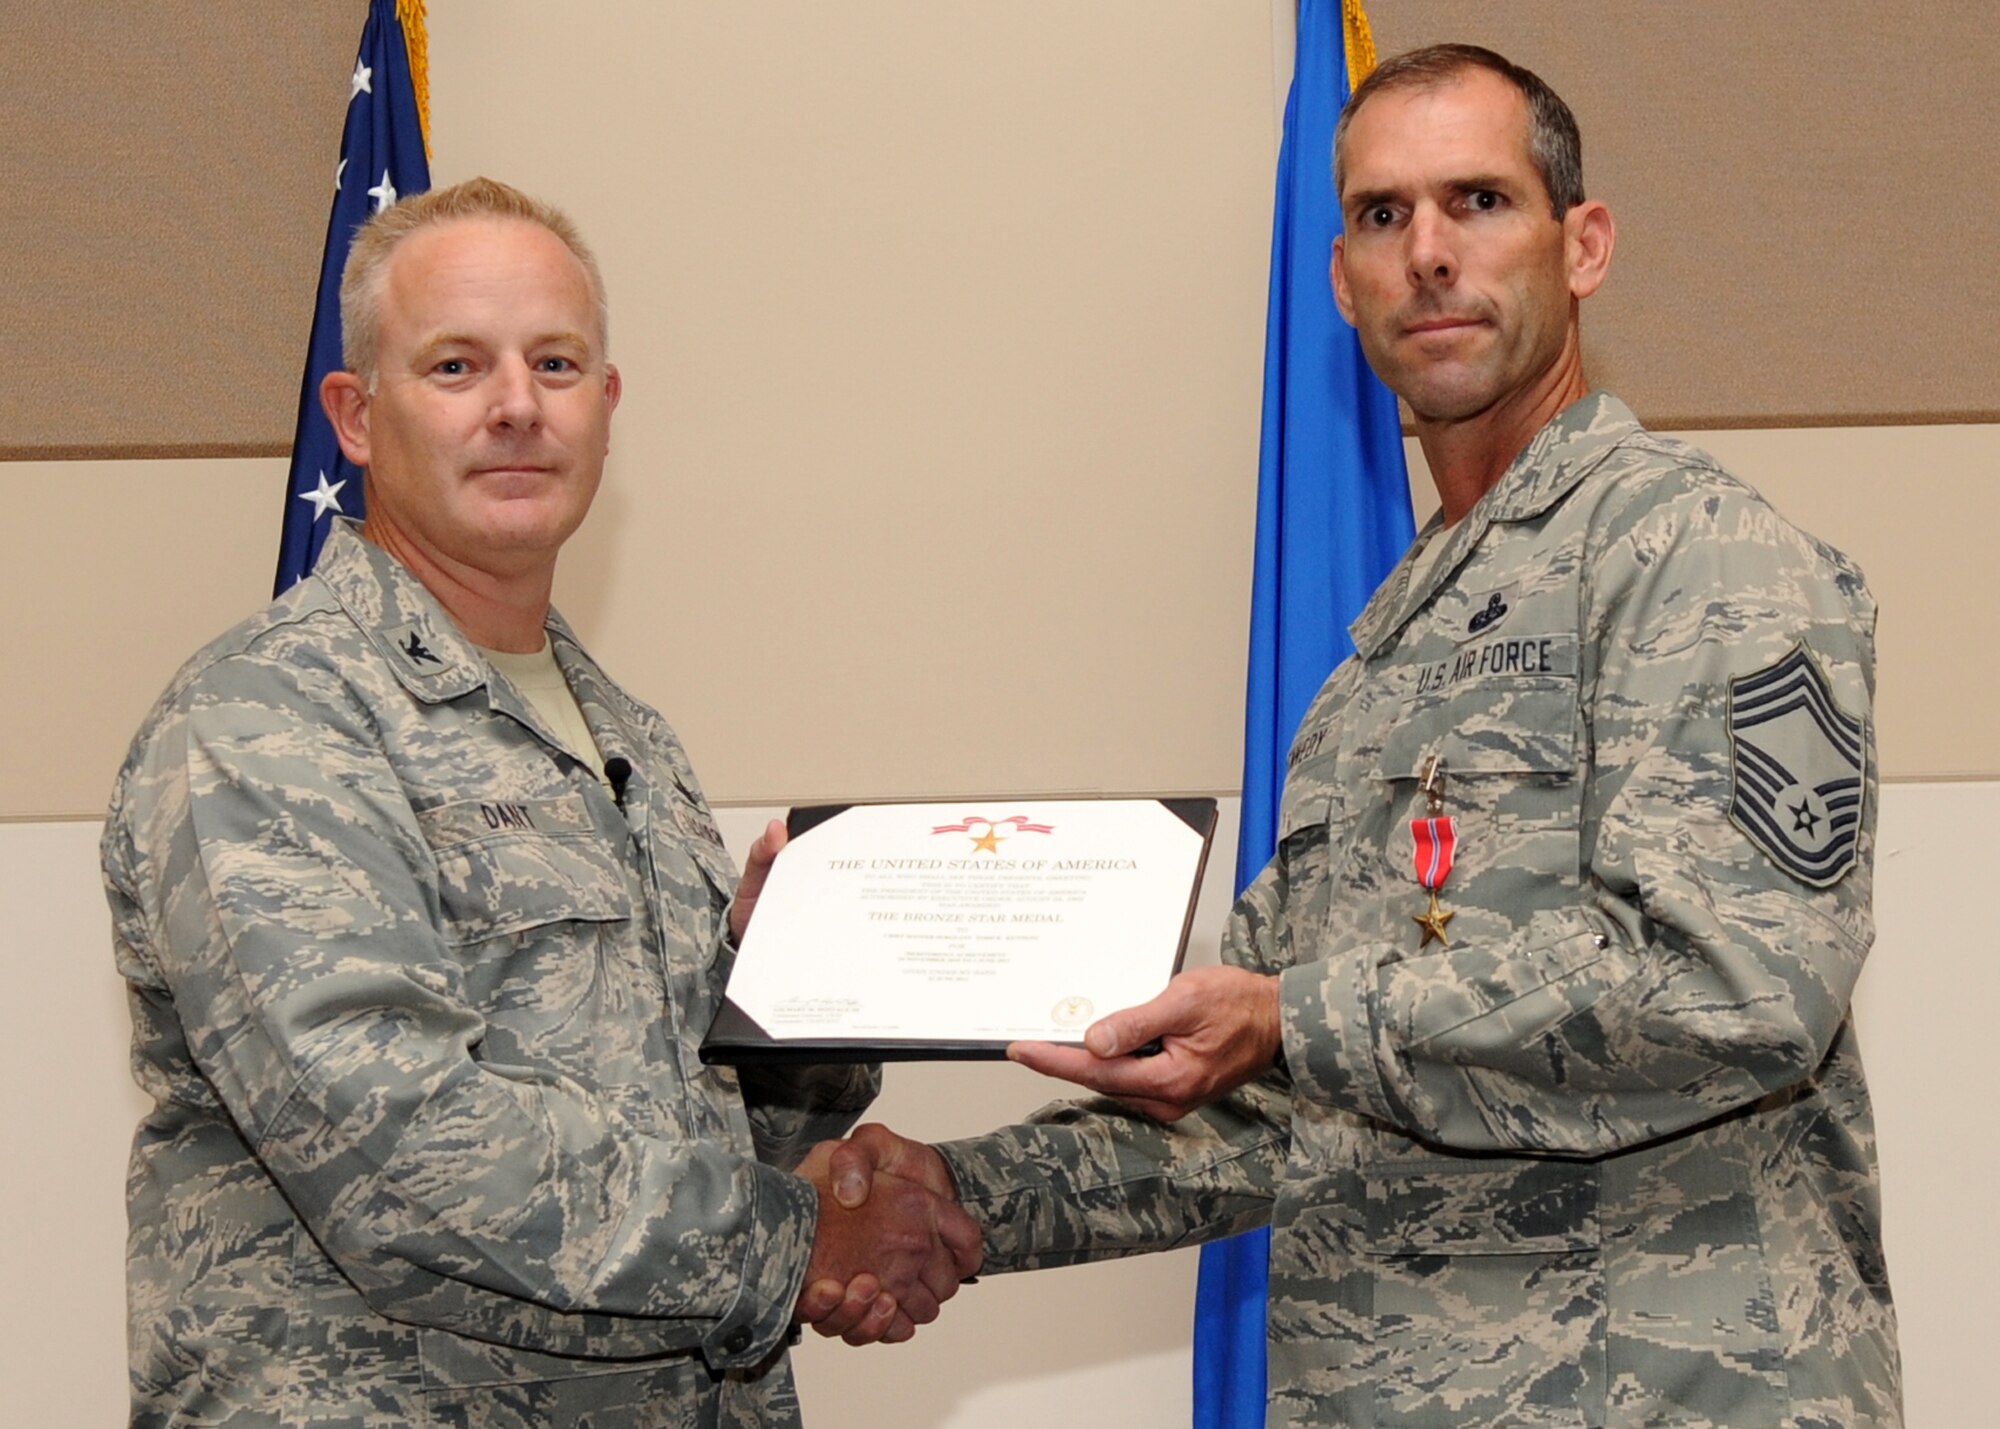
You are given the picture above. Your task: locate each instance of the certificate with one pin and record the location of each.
(919, 932)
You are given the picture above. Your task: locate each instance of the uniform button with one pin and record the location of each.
(738, 1341)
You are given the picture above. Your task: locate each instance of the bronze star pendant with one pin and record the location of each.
(1433, 921)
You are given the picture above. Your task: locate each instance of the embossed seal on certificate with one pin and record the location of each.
(1072, 1012)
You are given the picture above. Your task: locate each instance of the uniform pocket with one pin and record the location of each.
(498, 883)
(1510, 760)
(713, 861)
(1305, 845)
(1488, 1293)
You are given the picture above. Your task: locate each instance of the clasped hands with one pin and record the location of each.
(894, 1244)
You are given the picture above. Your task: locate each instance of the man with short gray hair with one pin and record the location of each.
(423, 918)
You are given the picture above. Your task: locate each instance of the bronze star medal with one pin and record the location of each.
(1436, 840)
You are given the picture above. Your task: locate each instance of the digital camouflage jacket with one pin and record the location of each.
(1603, 1156)
(419, 1005)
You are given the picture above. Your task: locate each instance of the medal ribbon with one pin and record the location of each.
(1437, 841)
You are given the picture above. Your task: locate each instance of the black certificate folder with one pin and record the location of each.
(943, 931)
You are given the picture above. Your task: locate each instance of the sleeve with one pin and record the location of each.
(1698, 967)
(1092, 1180)
(503, 1202)
(793, 1109)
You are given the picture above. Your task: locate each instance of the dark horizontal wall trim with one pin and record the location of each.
(1762, 422)
(1758, 422)
(145, 451)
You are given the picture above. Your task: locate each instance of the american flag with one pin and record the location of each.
(383, 155)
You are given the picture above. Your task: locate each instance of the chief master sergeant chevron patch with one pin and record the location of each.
(1796, 768)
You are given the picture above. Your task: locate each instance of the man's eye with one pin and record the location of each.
(452, 367)
(555, 364)
(1380, 216)
(1485, 200)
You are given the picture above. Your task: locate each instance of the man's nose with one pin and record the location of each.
(517, 401)
(1432, 259)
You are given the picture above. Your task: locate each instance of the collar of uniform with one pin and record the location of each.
(623, 726)
(1575, 440)
(401, 619)
(616, 723)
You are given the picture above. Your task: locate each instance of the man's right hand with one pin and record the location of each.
(892, 1243)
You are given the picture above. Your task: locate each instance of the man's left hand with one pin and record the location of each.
(756, 869)
(1217, 1028)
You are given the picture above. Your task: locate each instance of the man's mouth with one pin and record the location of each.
(1440, 324)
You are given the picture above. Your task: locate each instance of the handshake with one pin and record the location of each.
(892, 1244)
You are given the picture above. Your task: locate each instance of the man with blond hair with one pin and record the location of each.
(423, 918)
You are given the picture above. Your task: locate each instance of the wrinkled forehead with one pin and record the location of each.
(1470, 124)
(485, 266)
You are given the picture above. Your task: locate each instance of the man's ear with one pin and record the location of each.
(1589, 235)
(1343, 295)
(344, 396)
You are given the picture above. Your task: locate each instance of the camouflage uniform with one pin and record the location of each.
(419, 1007)
(1606, 1157)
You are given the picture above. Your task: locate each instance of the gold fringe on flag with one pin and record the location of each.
(410, 14)
(1360, 41)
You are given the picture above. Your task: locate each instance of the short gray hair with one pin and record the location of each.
(1554, 144)
(366, 274)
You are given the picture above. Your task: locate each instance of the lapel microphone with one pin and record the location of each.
(617, 772)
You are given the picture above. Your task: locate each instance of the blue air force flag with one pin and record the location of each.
(382, 156)
(1333, 517)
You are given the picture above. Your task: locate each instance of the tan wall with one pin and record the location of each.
(160, 279)
(168, 167)
(1765, 161)
(1099, 665)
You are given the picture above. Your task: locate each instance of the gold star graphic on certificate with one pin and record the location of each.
(1433, 921)
(988, 842)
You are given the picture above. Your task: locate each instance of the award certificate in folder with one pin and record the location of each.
(920, 932)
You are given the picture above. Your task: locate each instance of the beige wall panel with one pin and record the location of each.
(69, 1104)
(1794, 242)
(112, 574)
(1916, 507)
(937, 460)
(169, 167)
(1924, 1012)
(123, 569)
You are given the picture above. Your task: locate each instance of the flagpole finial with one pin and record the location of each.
(1360, 41)
(416, 43)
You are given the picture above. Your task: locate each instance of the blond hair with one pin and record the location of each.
(367, 271)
